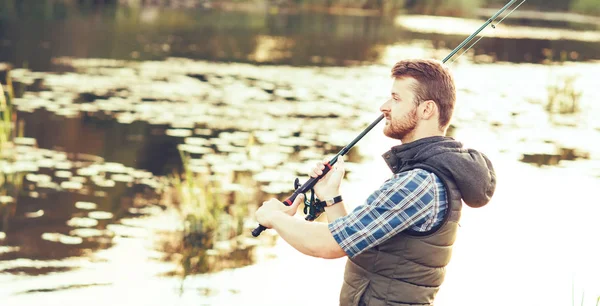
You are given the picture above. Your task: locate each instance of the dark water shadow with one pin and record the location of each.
(313, 39)
(62, 288)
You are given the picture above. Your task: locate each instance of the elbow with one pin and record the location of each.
(330, 252)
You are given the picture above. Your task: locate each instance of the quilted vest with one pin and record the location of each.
(408, 268)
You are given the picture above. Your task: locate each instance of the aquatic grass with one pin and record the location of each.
(201, 203)
(586, 6)
(214, 213)
(11, 179)
(582, 295)
(11, 182)
(457, 8)
(6, 110)
(563, 97)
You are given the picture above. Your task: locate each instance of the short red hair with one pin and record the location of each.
(435, 82)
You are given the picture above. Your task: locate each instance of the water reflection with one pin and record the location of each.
(150, 33)
(65, 208)
(121, 123)
(508, 43)
(75, 203)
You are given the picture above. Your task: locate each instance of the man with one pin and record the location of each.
(400, 240)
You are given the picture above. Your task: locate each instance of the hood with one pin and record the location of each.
(471, 170)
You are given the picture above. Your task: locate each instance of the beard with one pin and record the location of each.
(400, 128)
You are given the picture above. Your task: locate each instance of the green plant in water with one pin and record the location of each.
(582, 295)
(10, 185)
(563, 97)
(201, 201)
(459, 8)
(6, 111)
(201, 206)
(10, 179)
(586, 6)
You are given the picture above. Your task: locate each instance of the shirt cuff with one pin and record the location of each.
(337, 230)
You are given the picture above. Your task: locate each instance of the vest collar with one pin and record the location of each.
(406, 154)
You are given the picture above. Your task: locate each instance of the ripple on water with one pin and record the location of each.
(179, 133)
(82, 222)
(35, 214)
(462, 26)
(100, 215)
(89, 232)
(123, 178)
(86, 205)
(70, 185)
(64, 239)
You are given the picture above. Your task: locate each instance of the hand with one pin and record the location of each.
(265, 213)
(329, 185)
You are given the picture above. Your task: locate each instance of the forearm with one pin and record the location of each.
(310, 238)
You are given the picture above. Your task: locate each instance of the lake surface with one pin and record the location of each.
(36, 31)
(108, 94)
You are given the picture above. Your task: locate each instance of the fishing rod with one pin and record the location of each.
(315, 210)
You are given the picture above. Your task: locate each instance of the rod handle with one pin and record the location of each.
(259, 229)
(304, 188)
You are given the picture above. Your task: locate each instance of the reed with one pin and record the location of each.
(214, 213)
(10, 179)
(582, 300)
(6, 112)
(459, 8)
(201, 204)
(590, 7)
(563, 97)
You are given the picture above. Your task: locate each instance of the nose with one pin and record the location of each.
(385, 107)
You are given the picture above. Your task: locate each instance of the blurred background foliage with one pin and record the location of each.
(61, 8)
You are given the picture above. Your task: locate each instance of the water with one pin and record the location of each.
(55, 29)
(261, 98)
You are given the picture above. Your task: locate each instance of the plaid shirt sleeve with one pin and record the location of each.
(414, 199)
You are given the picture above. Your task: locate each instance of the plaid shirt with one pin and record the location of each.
(413, 200)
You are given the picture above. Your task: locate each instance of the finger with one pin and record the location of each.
(272, 200)
(338, 172)
(319, 169)
(299, 199)
(340, 163)
(313, 172)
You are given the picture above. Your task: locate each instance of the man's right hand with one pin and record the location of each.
(329, 186)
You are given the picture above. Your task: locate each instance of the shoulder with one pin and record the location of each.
(417, 174)
(416, 180)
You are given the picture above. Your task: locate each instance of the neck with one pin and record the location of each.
(417, 134)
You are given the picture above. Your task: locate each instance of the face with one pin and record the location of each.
(400, 110)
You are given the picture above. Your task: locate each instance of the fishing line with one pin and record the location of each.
(482, 36)
(308, 185)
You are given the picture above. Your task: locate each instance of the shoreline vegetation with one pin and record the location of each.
(587, 11)
(575, 10)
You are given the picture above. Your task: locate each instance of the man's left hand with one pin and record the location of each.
(265, 213)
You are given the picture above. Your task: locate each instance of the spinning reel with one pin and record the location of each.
(313, 207)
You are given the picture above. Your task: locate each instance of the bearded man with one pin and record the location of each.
(399, 241)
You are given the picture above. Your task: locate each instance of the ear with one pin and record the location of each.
(428, 109)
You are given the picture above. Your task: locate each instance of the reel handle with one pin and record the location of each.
(308, 185)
